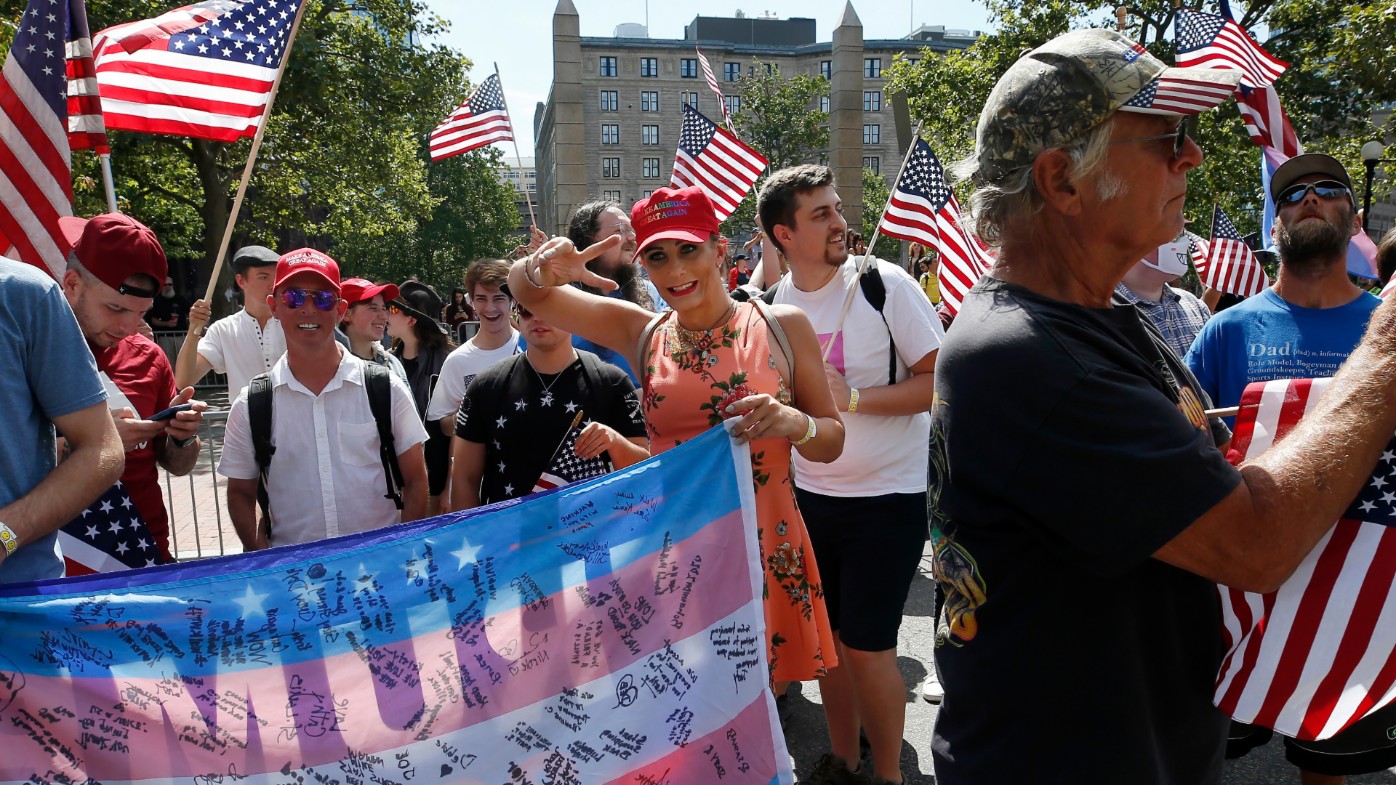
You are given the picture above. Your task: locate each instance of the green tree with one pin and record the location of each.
(875, 193)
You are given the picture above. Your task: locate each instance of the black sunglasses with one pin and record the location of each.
(1179, 137)
(522, 312)
(295, 298)
(1325, 189)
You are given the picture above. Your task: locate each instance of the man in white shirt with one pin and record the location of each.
(865, 511)
(496, 340)
(326, 477)
(242, 345)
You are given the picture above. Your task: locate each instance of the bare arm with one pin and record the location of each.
(1291, 494)
(447, 425)
(93, 465)
(911, 395)
(467, 468)
(770, 269)
(414, 483)
(1210, 298)
(242, 508)
(190, 366)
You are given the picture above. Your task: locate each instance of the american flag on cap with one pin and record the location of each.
(1183, 91)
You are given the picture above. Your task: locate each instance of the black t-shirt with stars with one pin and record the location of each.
(522, 417)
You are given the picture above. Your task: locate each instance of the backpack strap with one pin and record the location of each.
(642, 349)
(875, 292)
(259, 392)
(778, 332)
(377, 380)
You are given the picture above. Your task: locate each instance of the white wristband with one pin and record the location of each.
(9, 539)
(810, 431)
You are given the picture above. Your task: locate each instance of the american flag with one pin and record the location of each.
(110, 535)
(712, 85)
(481, 120)
(205, 70)
(36, 188)
(1226, 263)
(86, 129)
(565, 468)
(1184, 94)
(1266, 121)
(1318, 654)
(716, 161)
(1211, 41)
(924, 210)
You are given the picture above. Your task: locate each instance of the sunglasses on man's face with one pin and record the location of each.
(323, 300)
(522, 312)
(1324, 189)
(1179, 136)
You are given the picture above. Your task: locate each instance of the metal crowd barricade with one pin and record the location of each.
(199, 524)
(465, 331)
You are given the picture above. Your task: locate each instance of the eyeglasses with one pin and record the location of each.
(394, 310)
(522, 312)
(295, 298)
(1179, 137)
(1324, 189)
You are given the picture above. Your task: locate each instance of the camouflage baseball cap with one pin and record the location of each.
(1061, 90)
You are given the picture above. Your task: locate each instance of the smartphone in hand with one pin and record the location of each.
(171, 412)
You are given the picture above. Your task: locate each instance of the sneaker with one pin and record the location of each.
(931, 690)
(831, 769)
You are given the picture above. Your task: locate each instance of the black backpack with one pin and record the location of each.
(380, 401)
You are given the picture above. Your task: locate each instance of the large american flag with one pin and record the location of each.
(1320, 653)
(110, 535)
(715, 160)
(924, 210)
(205, 70)
(566, 467)
(1211, 41)
(86, 129)
(36, 188)
(1226, 263)
(1266, 121)
(481, 120)
(712, 85)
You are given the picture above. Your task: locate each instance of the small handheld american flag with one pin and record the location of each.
(1211, 41)
(715, 160)
(712, 85)
(110, 535)
(1226, 263)
(565, 468)
(481, 120)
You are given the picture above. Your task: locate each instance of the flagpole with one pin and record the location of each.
(528, 200)
(865, 262)
(252, 156)
(105, 158)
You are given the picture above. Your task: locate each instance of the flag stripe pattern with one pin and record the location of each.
(712, 85)
(1390, 287)
(924, 210)
(1226, 263)
(1211, 41)
(1317, 655)
(1265, 120)
(35, 158)
(86, 129)
(1183, 95)
(205, 70)
(481, 120)
(715, 160)
(609, 631)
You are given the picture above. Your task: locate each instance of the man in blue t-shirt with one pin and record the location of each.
(1304, 326)
(50, 381)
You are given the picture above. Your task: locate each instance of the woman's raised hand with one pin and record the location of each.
(558, 263)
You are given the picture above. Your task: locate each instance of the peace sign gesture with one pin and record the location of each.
(558, 263)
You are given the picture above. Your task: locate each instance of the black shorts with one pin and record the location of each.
(867, 549)
(1366, 746)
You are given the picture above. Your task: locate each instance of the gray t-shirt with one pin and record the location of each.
(50, 373)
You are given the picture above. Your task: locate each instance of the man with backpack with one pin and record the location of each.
(865, 511)
(319, 439)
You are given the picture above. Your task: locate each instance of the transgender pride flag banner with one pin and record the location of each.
(605, 632)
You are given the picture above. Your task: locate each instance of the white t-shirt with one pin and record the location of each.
(238, 346)
(326, 477)
(880, 454)
(460, 367)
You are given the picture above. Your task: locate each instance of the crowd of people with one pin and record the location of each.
(1066, 414)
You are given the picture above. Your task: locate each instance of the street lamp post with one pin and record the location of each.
(1371, 156)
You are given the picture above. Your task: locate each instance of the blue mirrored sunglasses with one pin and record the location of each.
(295, 298)
(1324, 189)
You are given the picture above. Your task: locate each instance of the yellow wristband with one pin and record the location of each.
(853, 400)
(810, 431)
(9, 539)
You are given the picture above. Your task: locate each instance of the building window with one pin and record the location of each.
(610, 100)
(608, 65)
(649, 134)
(872, 100)
(733, 103)
(731, 71)
(872, 162)
(610, 169)
(611, 196)
(649, 100)
(872, 134)
(688, 68)
(690, 99)
(610, 133)
(872, 68)
(824, 104)
(646, 194)
(826, 69)
(649, 167)
(649, 67)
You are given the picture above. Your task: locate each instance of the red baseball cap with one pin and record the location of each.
(114, 247)
(673, 214)
(356, 290)
(307, 260)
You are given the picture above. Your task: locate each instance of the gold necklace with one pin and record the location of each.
(700, 340)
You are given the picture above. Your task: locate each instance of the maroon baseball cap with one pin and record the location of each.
(673, 214)
(114, 247)
(356, 290)
(307, 260)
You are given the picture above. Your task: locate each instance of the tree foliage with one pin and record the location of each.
(875, 193)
